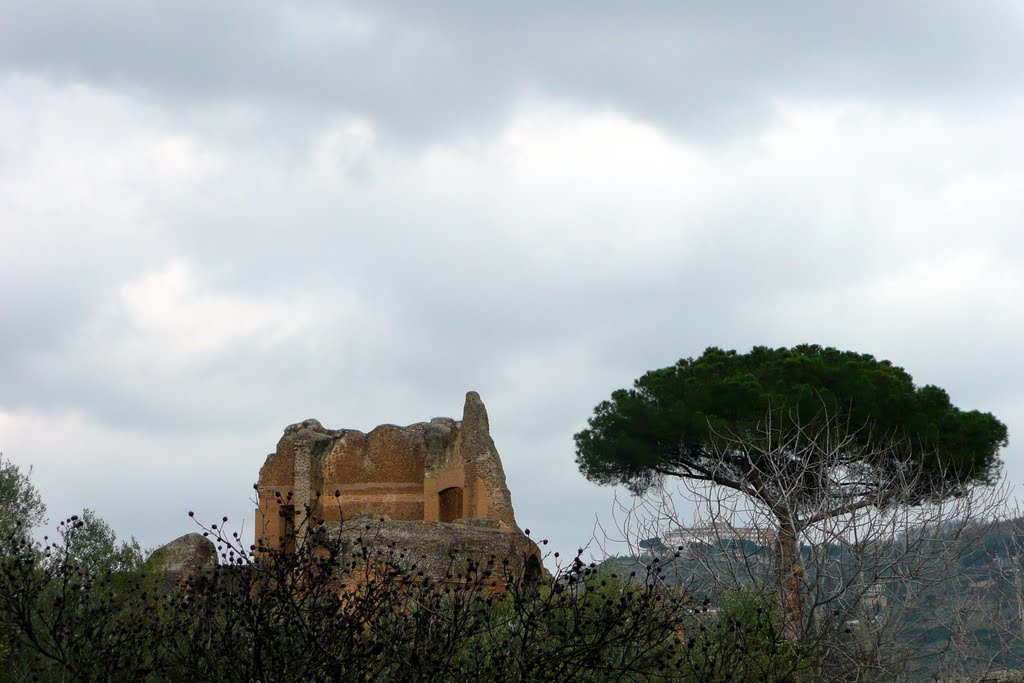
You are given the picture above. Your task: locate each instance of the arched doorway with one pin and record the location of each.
(451, 504)
(533, 571)
(287, 539)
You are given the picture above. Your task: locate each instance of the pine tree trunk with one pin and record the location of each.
(790, 577)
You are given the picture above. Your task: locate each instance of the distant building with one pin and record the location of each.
(874, 597)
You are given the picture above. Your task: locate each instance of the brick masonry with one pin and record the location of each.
(437, 484)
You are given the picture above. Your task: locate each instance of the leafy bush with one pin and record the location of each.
(341, 610)
(741, 641)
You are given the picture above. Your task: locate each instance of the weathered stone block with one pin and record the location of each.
(183, 557)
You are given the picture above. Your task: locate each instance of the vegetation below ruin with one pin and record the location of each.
(81, 606)
(335, 611)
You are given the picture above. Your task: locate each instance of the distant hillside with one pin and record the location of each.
(955, 607)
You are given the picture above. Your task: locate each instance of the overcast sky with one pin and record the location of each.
(222, 218)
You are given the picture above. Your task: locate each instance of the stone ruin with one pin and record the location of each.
(182, 559)
(433, 489)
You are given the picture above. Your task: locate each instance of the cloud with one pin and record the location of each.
(221, 220)
(143, 484)
(422, 70)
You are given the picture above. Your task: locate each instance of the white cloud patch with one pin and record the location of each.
(182, 282)
(343, 148)
(171, 316)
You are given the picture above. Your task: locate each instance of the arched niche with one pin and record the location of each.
(533, 571)
(450, 500)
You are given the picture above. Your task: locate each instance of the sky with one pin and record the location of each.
(219, 219)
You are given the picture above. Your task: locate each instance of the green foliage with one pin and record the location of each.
(92, 545)
(66, 605)
(341, 610)
(590, 625)
(673, 418)
(742, 642)
(653, 544)
(21, 510)
(71, 612)
(20, 503)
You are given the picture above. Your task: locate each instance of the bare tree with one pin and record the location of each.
(982, 610)
(849, 549)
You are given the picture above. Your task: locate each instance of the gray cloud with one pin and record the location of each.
(422, 70)
(219, 220)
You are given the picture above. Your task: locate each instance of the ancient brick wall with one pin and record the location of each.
(438, 471)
